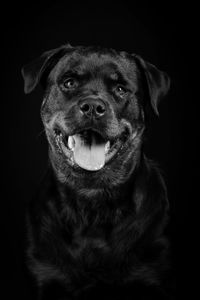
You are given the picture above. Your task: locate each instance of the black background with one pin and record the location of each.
(163, 34)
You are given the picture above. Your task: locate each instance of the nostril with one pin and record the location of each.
(92, 107)
(100, 110)
(85, 108)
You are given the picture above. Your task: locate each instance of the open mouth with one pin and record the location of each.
(88, 148)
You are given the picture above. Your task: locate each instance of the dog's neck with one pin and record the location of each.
(97, 197)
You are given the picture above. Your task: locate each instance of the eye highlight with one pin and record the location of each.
(70, 83)
(121, 90)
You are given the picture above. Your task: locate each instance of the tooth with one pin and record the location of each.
(71, 142)
(107, 147)
(57, 142)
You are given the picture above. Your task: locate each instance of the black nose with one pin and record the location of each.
(93, 107)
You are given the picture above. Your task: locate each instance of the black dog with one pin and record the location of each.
(96, 225)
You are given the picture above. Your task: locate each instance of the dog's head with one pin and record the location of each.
(94, 109)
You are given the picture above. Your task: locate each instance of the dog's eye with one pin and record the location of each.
(121, 90)
(70, 83)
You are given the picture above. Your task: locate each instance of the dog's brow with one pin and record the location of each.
(110, 67)
(116, 77)
(82, 69)
(73, 66)
(112, 72)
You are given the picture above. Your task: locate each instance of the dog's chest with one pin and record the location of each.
(87, 238)
(90, 244)
(85, 241)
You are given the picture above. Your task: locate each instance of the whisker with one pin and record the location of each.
(40, 133)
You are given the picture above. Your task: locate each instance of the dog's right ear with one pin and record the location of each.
(34, 71)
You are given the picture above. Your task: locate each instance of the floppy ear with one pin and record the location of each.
(34, 71)
(158, 82)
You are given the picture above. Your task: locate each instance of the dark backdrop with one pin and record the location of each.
(163, 34)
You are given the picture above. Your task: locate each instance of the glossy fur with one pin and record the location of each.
(98, 235)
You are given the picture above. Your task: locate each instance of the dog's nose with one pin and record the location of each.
(93, 107)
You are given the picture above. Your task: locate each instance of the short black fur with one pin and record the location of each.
(98, 234)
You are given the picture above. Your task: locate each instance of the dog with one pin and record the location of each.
(95, 227)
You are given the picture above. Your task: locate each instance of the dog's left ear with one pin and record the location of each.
(34, 71)
(158, 82)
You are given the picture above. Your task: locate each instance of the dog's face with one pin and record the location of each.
(93, 111)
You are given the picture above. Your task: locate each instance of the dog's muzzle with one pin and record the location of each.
(89, 147)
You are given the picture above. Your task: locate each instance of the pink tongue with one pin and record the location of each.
(89, 156)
